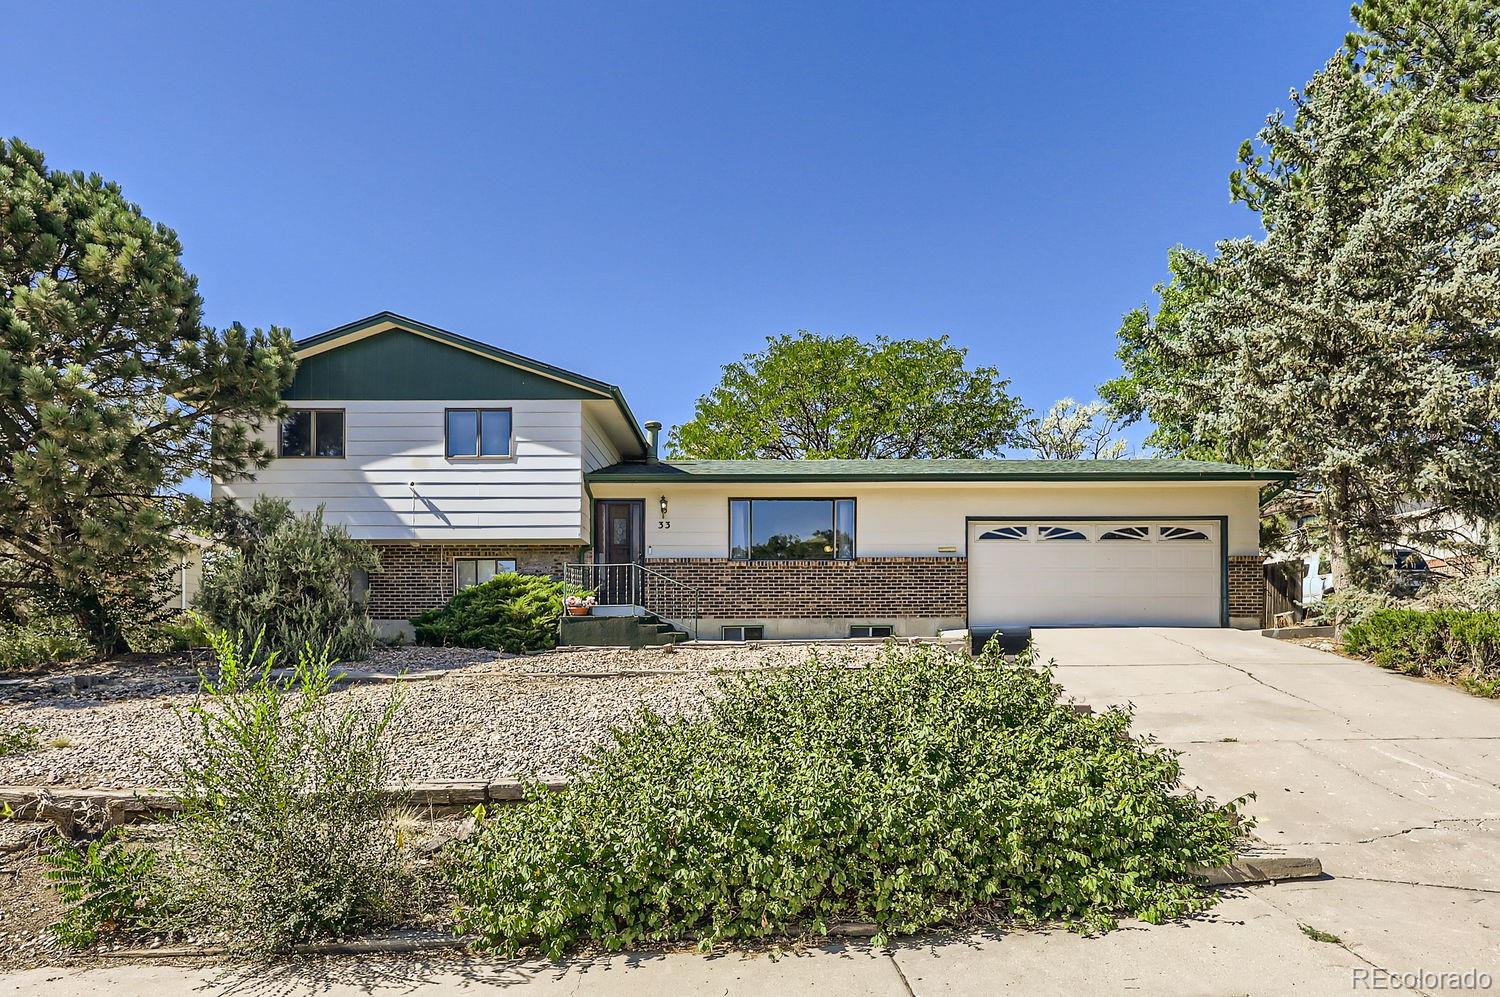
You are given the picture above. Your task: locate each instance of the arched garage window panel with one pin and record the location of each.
(1182, 533)
(1059, 533)
(1128, 533)
(1006, 533)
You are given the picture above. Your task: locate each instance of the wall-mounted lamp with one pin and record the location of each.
(663, 506)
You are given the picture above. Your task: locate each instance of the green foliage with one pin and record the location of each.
(112, 394)
(1157, 370)
(1319, 935)
(1070, 431)
(284, 835)
(918, 790)
(16, 739)
(109, 887)
(42, 641)
(289, 577)
(511, 612)
(1453, 645)
(1355, 341)
(810, 396)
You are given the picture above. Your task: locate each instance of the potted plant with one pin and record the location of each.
(579, 605)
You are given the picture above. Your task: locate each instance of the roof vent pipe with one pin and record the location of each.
(653, 434)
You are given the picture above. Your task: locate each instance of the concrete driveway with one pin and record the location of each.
(1394, 783)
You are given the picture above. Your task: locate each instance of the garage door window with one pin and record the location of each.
(1059, 533)
(1127, 533)
(1006, 533)
(1182, 533)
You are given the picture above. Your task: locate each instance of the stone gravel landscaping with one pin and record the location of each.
(465, 714)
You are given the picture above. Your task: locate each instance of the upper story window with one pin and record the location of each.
(307, 432)
(791, 529)
(477, 432)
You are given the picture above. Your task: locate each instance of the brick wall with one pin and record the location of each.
(1247, 586)
(414, 577)
(874, 587)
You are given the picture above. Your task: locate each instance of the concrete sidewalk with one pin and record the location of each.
(1393, 782)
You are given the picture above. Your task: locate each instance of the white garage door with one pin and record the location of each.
(1087, 573)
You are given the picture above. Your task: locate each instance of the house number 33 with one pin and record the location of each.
(663, 524)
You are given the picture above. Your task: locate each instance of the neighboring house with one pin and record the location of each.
(458, 460)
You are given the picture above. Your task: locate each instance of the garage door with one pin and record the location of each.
(1085, 573)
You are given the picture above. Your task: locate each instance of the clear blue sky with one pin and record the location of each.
(642, 192)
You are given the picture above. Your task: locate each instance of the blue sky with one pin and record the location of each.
(643, 192)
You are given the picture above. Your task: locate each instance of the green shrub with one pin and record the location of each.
(183, 632)
(1347, 606)
(511, 612)
(285, 834)
(108, 887)
(912, 792)
(42, 641)
(1454, 645)
(18, 739)
(289, 578)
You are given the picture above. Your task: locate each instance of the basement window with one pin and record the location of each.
(745, 633)
(478, 570)
(870, 630)
(307, 432)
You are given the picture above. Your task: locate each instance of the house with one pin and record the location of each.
(457, 460)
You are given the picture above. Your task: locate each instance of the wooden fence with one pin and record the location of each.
(1283, 590)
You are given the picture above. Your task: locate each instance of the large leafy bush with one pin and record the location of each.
(1454, 645)
(511, 612)
(905, 794)
(289, 578)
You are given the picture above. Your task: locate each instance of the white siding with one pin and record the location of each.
(598, 450)
(394, 483)
(915, 519)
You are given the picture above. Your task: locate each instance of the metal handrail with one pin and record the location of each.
(609, 581)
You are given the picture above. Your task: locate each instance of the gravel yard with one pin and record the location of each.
(464, 714)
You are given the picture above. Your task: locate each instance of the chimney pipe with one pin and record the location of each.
(653, 434)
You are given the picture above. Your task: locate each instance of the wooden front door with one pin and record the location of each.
(618, 546)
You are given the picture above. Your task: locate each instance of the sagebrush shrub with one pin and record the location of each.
(511, 612)
(289, 578)
(905, 794)
(286, 833)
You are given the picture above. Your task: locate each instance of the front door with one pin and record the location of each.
(618, 548)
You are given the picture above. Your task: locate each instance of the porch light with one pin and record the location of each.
(663, 506)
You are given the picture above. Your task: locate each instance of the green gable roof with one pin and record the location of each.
(389, 356)
(770, 471)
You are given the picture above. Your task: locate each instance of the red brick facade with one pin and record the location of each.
(1247, 586)
(418, 576)
(870, 587)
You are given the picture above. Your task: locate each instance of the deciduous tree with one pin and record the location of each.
(810, 396)
(1070, 431)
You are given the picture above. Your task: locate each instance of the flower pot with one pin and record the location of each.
(577, 610)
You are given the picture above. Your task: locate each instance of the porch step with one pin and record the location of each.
(618, 631)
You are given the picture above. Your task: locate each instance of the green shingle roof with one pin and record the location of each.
(1151, 469)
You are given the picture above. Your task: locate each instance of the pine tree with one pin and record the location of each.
(112, 394)
(1356, 342)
